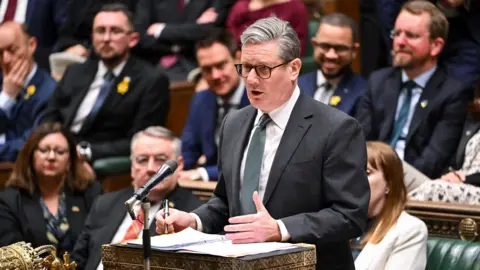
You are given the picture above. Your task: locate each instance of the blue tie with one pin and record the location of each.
(253, 165)
(403, 113)
(107, 81)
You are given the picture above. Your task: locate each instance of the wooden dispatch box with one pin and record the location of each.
(123, 257)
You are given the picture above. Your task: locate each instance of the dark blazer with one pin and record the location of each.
(198, 137)
(146, 103)
(350, 90)
(181, 27)
(22, 215)
(317, 184)
(107, 215)
(435, 129)
(471, 128)
(26, 114)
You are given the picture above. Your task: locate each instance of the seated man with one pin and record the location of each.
(25, 89)
(172, 28)
(104, 102)
(416, 106)
(109, 222)
(335, 48)
(216, 56)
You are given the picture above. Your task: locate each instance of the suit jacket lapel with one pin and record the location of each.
(422, 108)
(297, 126)
(391, 92)
(245, 101)
(342, 92)
(76, 212)
(241, 140)
(35, 221)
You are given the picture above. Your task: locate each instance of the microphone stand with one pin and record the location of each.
(147, 248)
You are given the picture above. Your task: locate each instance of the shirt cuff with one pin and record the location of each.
(203, 174)
(283, 231)
(159, 30)
(199, 222)
(6, 103)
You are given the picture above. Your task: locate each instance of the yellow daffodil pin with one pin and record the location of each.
(31, 89)
(424, 103)
(123, 86)
(335, 100)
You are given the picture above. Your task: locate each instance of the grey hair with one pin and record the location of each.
(161, 133)
(273, 28)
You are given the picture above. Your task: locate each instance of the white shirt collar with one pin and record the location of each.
(31, 74)
(422, 79)
(102, 69)
(281, 114)
(321, 80)
(236, 98)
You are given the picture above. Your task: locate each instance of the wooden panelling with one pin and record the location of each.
(180, 95)
(203, 190)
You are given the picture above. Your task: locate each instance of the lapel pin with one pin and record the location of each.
(75, 208)
(123, 86)
(334, 100)
(31, 89)
(171, 204)
(424, 103)
(345, 90)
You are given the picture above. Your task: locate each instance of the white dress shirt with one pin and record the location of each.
(127, 221)
(322, 94)
(87, 104)
(7, 103)
(274, 133)
(20, 10)
(421, 81)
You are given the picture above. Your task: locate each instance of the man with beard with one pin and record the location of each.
(335, 48)
(216, 56)
(104, 102)
(416, 106)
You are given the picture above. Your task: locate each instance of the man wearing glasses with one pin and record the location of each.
(109, 222)
(416, 106)
(290, 168)
(335, 48)
(104, 102)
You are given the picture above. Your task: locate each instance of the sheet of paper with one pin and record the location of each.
(227, 249)
(179, 240)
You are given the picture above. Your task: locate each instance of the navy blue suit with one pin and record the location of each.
(25, 115)
(198, 137)
(350, 90)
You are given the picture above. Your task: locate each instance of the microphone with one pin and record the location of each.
(165, 171)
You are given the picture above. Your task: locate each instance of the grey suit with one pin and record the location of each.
(317, 184)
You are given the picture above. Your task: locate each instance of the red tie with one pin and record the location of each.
(10, 13)
(136, 227)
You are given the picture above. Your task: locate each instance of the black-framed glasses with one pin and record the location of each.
(338, 48)
(262, 71)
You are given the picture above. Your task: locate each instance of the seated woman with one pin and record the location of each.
(395, 239)
(49, 193)
(462, 183)
(246, 12)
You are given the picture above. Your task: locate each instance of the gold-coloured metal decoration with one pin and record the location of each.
(123, 86)
(467, 229)
(22, 256)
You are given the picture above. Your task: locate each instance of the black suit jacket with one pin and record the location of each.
(471, 128)
(435, 129)
(181, 27)
(317, 184)
(107, 215)
(22, 219)
(146, 103)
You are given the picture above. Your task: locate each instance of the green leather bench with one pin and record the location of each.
(452, 254)
(112, 166)
(308, 63)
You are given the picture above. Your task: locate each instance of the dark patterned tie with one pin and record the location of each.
(403, 113)
(253, 165)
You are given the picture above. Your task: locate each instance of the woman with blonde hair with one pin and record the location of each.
(395, 240)
(49, 193)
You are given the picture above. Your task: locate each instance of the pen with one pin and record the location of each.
(166, 215)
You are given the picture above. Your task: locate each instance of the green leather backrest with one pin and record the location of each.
(308, 64)
(112, 166)
(450, 254)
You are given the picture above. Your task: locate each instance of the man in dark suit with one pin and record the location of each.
(25, 91)
(335, 48)
(283, 175)
(44, 19)
(175, 26)
(104, 102)
(416, 106)
(109, 222)
(216, 56)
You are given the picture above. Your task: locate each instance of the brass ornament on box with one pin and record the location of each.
(22, 256)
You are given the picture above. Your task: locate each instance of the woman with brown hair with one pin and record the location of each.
(395, 240)
(49, 193)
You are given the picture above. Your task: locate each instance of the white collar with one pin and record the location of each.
(281, 114)
(30, 75)
(236, 98)
(102, 69)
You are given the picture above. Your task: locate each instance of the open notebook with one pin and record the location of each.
(213, 244)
